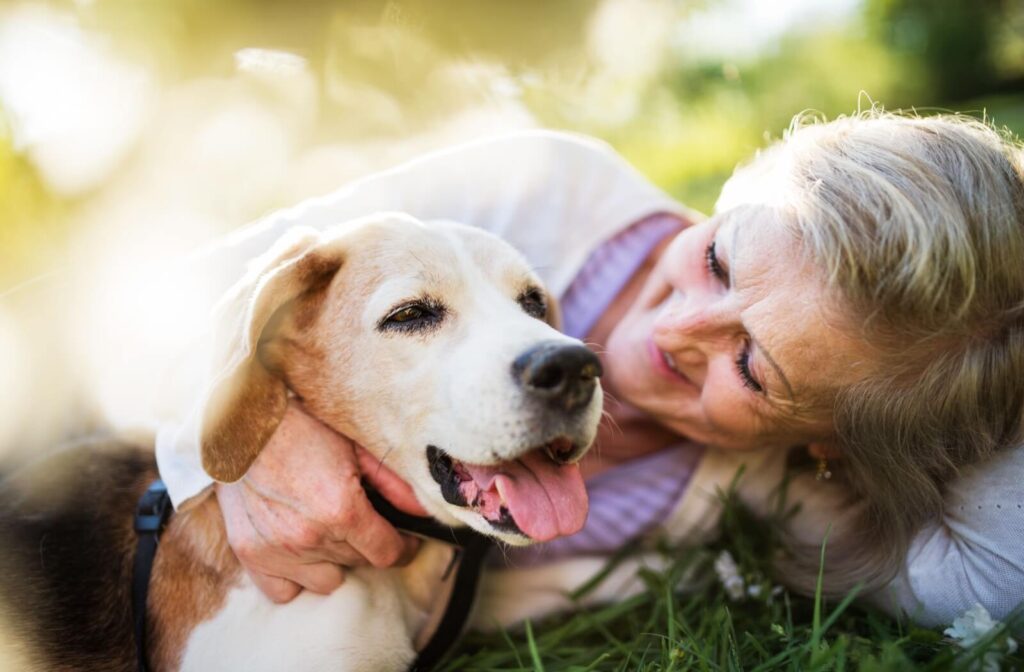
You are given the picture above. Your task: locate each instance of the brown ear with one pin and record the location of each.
(245, 401)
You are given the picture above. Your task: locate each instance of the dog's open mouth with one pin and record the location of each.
(537, 495)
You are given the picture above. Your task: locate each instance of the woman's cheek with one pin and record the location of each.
(683, 261)
(657, 290)
(728, 412)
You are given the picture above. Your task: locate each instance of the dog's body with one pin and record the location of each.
(67, 571)
(428, 345)
(65, 558)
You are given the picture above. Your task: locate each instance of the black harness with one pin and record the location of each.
(154, 511)
(151, 515)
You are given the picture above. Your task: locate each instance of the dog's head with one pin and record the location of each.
(432, 345)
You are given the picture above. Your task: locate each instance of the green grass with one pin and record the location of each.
(702, 629)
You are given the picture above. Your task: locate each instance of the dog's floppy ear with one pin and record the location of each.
(245, 401)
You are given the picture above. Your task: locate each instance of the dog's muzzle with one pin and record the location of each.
(561, 375)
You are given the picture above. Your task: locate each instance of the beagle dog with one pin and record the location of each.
(431, 344)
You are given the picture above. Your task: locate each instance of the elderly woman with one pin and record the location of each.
(852, 315)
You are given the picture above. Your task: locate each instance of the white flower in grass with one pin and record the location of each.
(971, 627)
(729, 574)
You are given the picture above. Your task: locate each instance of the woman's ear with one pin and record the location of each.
(245, 402)
(823, 450)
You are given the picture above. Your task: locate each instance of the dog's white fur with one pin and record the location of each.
(371, 623)
(307, 320)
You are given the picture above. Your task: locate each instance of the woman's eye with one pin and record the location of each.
(711, 261)
(533, 303)
(412, 317)
(743, 369)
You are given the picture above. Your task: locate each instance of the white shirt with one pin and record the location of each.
(556, 197)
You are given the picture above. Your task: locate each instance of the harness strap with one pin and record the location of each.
(473, 548)
(154, 509)
(151, 516)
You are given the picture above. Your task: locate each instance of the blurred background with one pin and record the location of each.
(135, 129)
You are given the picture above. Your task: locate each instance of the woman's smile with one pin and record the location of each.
(664, 365)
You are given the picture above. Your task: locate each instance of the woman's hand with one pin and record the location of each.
(300, 515)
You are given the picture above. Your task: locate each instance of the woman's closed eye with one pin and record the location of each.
(714, 265)
(742, 361)
(743, 369)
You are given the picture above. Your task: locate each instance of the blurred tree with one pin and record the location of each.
(955, 41)
(386, 70)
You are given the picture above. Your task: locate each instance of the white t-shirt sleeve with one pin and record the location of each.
(554, 196)
(974, 556)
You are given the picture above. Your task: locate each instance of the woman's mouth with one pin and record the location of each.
(663, 363)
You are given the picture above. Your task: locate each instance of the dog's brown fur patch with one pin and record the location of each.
(67, 543)
(67, 548)
(193, 572)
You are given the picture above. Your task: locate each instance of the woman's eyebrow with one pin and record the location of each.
(733, 246)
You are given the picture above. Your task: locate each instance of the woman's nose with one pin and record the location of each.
(687, 318)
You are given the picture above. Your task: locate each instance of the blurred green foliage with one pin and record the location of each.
(965, 48)
(30, 218)
(685, 126)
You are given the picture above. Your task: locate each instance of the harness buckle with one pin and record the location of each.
(153, 509)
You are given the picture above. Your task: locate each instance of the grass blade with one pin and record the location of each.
(538, 666)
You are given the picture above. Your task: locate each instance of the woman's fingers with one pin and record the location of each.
(277, 589)
(375, 539)
(387, 483)
(273, 561)
(301, 510)
(319, 577)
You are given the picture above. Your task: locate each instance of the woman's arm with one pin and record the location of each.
(974, 556)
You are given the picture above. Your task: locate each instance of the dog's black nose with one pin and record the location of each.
(562, 374)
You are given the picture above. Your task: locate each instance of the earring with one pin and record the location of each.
(823, 473)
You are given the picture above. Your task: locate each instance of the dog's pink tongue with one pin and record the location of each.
(545, 499)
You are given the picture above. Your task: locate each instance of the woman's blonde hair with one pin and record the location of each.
(917, 223)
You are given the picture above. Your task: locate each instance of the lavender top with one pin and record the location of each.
(632, 498)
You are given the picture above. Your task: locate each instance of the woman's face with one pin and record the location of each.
(733, 338)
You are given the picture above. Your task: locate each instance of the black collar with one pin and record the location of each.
(473, 548)
(151, 515)
(154, 510)
(423, 526)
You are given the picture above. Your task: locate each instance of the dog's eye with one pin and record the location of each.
(407, 314)
(533, 303)
(412, 317)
